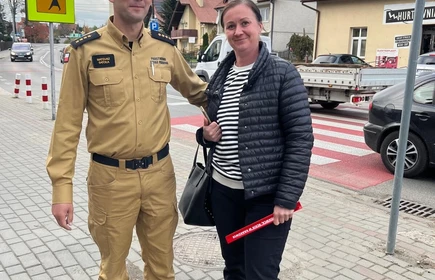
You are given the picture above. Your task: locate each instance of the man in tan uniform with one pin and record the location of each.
(119, 75)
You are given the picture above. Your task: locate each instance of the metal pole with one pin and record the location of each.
(404, 125)
(53, 87)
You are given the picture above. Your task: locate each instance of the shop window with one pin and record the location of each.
(359, 39)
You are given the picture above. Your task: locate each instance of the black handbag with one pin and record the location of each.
(194, 203)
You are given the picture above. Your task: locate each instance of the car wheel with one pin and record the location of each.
(416, 157)
(329, 105)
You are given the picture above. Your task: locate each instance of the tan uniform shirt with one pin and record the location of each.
(124, 93)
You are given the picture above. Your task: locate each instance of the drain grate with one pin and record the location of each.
(410, 207)
(199, 249)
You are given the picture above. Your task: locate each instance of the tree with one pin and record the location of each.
(37, 32)
(213, 34)
(3, 25)
(204, 42)
(14, 6)
(168, 7)
(301, 46)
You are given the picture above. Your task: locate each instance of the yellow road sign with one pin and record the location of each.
(51, 6)
(61, 11)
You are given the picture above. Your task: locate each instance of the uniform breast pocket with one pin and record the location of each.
(107, 87)
(160, 77)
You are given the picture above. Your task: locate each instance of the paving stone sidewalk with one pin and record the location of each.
(339, 234)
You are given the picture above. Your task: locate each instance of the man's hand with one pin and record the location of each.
(211, 132)
(63, 212)
(281, 215)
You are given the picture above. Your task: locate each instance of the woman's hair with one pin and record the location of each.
(233, 3)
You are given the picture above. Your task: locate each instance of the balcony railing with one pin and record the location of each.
(184, 33)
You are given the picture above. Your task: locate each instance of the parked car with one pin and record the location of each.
(426, 64)
(21, 51)
(339, 59)
(381, 133)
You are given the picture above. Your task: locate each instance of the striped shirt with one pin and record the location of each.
(226, 158)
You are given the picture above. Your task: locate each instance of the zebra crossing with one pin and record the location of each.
(339, 155)
(336, 138)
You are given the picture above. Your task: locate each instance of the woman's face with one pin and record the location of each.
(242, 29)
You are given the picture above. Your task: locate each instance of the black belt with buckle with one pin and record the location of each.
(134, 163)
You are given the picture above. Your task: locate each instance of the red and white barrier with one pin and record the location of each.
(28, 88)
(17, 85)
(44, 93)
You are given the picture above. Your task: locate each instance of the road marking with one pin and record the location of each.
(339, 145)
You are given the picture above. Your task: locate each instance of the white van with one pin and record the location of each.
(218, 49)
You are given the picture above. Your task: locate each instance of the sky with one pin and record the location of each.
(89, 12)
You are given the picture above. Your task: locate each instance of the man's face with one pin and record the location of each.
(131, 11)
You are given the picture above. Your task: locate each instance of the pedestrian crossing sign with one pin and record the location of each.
(59, 11)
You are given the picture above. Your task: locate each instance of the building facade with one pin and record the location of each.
(367, 27)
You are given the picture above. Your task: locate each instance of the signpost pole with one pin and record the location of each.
(53, 85)
(404, 124)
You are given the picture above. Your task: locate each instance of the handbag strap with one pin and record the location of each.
(204, 151)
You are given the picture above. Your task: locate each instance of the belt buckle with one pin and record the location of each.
(143, 162)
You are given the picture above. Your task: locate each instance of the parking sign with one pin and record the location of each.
(154, 25)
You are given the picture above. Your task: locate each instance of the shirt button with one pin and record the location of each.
(246, 148)
(140, 122)
(249, 169)
(138, 100)
(106, 79)
(246, 127)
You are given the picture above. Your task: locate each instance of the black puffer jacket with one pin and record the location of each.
(275, 132)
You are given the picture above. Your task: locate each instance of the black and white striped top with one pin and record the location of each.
(225, 158)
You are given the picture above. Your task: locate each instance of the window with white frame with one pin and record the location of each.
(358, 44)
(264, 11)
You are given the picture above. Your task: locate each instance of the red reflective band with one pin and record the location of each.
(254, 226)
(44, 86)
(28, 82)
(16, 90)
(45, 98)
(370, 106)
(17, 82)
(28, 93)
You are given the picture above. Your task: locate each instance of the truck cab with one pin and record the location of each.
(218, 49)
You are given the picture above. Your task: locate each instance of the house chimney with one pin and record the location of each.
(200, 3)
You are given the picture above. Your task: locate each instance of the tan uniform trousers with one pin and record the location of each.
(120, 199)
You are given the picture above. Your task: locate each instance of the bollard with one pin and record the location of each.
(17, 85)
(44, 93)
(28, 89)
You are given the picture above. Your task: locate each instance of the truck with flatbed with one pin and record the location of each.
(332, 84)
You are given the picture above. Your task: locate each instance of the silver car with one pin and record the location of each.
(426, 63)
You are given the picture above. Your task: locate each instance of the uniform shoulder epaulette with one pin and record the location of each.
(162, 37)
(86, 38)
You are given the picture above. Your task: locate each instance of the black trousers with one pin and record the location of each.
(256, 256)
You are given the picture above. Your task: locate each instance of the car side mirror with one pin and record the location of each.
(204, 58)
(199, 58)
(9, 49)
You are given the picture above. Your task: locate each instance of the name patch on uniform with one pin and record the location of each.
(159, 60)
(103, 60)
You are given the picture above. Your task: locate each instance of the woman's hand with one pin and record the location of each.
(211, 132)
(281, 215)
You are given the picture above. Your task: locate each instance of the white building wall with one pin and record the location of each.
(291, 17)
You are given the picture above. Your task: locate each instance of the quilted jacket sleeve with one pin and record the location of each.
(295, 119)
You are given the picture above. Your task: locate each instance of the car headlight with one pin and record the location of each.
(13, 53)
(28, 53)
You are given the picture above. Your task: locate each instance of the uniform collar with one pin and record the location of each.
(119, 37)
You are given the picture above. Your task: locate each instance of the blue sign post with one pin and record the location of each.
(154, 25)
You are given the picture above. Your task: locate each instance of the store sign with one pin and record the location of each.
(402, 41)
(404, 13)
(387, 58)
